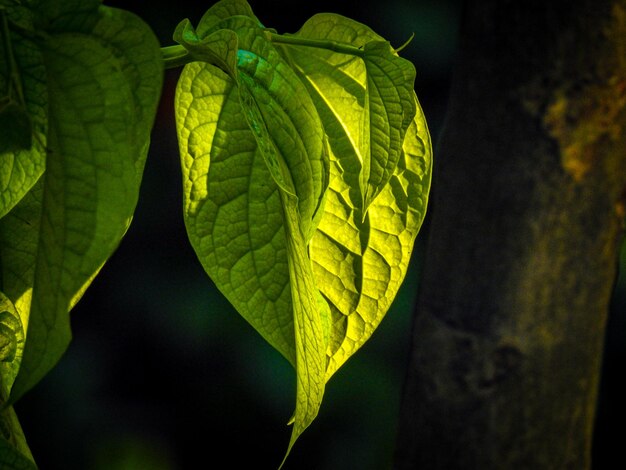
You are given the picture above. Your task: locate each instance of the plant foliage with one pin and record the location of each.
(306, 168)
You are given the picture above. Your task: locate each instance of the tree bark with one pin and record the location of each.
(527, 217)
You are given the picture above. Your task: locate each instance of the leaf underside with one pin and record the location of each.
(305, 180)
(88, 78)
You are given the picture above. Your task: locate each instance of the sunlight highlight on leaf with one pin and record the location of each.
(360, 258)
(306, 170)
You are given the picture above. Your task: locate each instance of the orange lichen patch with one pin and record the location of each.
(582, 121)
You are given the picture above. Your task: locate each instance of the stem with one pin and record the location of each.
(320, 44)
(175, 56)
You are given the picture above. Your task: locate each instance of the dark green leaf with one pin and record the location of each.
(103, 90)
(23, 117)
(214, 17)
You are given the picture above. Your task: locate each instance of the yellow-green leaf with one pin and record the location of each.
(255, 172)
(359, 264)
(377, 197)
(306, 171)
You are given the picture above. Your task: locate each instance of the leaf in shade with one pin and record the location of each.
(103, 90)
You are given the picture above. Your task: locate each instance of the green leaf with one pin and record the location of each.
(289, 134)
(391, 108)
(208, 107)
(11, 343)
(14, 452)
(358, 264)
(218, 48)
(371, 94)
(237, 233)
(63, 16)
(311, 331)
(255, 173)
(305, 181)
(214, 17)
(103, 90)
(286, 125)
(23, 116)
(10, 459)
(360, 258)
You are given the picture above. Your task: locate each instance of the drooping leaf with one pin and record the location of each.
(312, 267)
(237, 233)
(23, 115)
(103, 88)
(311, 331)
(360, 259)
(289, 134)
(255, 173)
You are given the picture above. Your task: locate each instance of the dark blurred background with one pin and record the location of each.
(163, 374)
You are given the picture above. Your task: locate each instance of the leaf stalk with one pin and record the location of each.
(175, 56)
(318, 43)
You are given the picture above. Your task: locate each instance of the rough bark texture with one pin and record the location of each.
(527, 218)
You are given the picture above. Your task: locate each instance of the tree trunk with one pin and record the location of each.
(527, 217)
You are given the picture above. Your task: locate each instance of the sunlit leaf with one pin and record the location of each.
(215, 135)
(255, 173)
(359, 265)
(360, 258)
(237, 233)
(370, 95)
(311, 331)
(313, 270)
